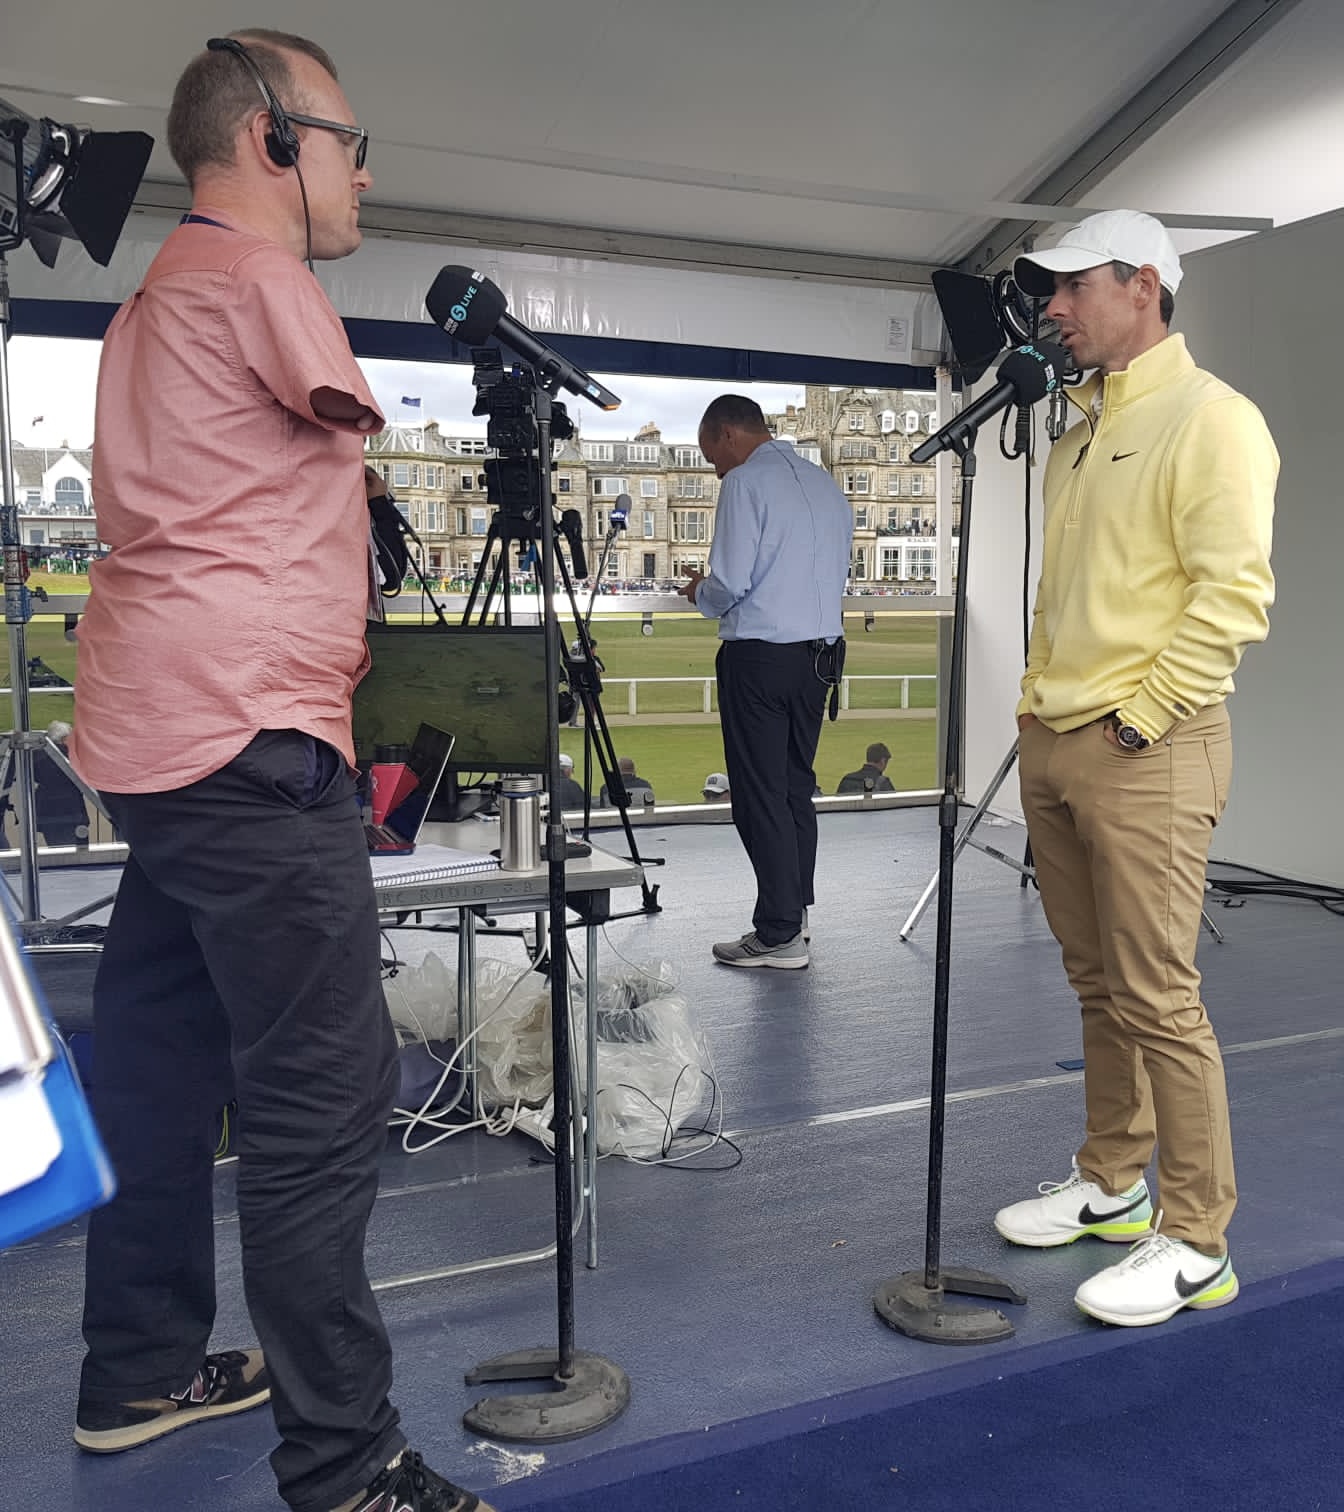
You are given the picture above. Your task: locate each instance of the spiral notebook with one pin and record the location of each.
(430, 863)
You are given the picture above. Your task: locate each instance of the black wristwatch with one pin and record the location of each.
(1129, 737)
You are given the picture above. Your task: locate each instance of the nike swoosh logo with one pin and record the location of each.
(1120, 456)
(1188, 1289)
(1087, 1217)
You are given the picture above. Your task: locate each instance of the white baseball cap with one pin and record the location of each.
(566, 761)
(1127, 236)
(716, 782)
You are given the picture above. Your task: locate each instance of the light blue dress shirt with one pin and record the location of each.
(780, 557)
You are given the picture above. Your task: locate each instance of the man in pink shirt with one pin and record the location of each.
(223, 637)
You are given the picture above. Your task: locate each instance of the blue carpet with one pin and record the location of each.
(1216, 1413)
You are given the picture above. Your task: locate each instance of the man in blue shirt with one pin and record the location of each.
(777, 572)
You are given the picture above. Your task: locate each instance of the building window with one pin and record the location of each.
(650, 564)
(436, 516)
(461, 522)
(888, 422)
(598, 451)
(478, 521)
(893, 519)
(648, 488)
(69, 491)
(810, 454)
(467, 481)
(564, 485)
(641, 453)
(648, 524)
(415, 475)
(689, 456)
(614, 565)
(916, 484)
(859, 567)
(911, 422)
(857, 482)
(690, 525)
(608, 488)
(690, 488)
(893, 485)
(401, 475)
(861, 518)
(891, 561)
(683, 566)
(856, 422)
(894, 452)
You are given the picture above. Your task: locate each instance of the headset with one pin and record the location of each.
(282, 141)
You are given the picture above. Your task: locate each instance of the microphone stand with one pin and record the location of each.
(915, 1302)
(588, 1391)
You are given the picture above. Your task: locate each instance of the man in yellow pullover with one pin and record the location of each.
(1155, 577)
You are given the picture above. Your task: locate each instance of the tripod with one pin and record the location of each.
(21, 743)
(581, 672)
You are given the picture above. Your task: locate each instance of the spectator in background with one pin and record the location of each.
(716, 788)
(870, 776)
(569, 795)
(58, 803)
(632, 783)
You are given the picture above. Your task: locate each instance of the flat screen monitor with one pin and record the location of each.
(486, 683)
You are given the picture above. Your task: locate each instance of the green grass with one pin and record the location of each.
(676, 758)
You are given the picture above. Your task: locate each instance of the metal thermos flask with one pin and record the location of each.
(520, 823)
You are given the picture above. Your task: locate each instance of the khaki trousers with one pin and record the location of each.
(1121, 842)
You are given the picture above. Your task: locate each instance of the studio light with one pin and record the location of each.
(62, 181)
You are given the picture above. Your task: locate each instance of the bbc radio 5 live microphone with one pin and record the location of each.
(1025, 375)
(472, 309)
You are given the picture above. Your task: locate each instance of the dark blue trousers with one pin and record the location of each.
(771, 703)
(242, 960)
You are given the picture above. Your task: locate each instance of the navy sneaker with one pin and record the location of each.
(410, 1485)
(226, 1383)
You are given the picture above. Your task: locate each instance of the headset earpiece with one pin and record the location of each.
(282, 141)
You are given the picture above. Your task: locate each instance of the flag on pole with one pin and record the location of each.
(410, 403)
(38, 419)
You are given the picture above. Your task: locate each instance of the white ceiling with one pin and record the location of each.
(802, 126)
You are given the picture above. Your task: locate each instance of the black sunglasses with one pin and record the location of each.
(362, 148)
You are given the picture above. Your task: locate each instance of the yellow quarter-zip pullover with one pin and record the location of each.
(1155, 571)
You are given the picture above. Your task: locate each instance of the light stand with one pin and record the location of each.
(588, 1391)
(21, 742)
(915, 1302)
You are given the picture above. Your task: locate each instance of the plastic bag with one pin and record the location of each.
(422, 1000)
(653, 1064)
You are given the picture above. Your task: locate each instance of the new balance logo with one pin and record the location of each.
(1120, 456)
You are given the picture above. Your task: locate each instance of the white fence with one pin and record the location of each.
(706, 685)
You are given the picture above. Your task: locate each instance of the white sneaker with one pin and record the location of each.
(1155, 1281)
(1067, 1210)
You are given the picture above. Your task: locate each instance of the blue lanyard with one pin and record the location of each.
(192, 219)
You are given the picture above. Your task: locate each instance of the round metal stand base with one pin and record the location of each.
(594, 1395)
(922, 1312)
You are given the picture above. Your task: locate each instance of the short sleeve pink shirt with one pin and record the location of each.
(233, 599)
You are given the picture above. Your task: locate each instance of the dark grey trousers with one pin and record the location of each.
(242, 960)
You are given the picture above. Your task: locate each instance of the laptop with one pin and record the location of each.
(401, 826)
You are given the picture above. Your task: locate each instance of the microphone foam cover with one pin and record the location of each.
(466, 304)
(1034, 370)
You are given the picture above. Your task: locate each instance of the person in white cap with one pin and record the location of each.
(569, 795)
(716, 788)
(1155, 576)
